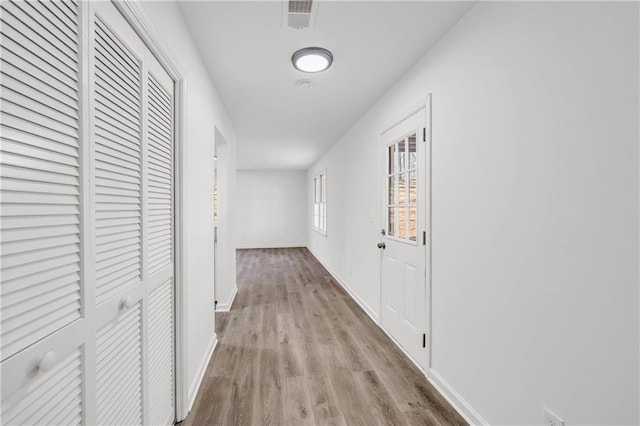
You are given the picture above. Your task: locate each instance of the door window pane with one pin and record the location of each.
(402, 189)
(391, 221)
(402, 222)
(391, 159)
(412, 157)
(392, 183)
(413, 227)
(413, 190)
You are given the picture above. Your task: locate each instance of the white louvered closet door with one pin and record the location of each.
(87, 259)
(41, 176)
(159, 240)
(117, 56)
(133, 200)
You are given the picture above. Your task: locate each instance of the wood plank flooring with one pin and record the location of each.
(295, 349)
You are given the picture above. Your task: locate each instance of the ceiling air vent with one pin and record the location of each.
(298, 14)
(300, 6)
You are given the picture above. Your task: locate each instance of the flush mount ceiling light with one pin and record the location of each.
(312, 59)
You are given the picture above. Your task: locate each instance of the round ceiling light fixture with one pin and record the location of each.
(312, 59)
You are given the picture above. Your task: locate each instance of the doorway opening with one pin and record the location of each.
(221, 222)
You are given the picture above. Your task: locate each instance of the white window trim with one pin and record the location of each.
(323, 203)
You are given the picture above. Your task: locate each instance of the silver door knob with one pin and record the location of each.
(382, 245)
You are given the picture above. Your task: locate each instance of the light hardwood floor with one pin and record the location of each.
(295, 349)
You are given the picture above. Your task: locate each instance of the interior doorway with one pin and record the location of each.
(216, 206)
(219, 215)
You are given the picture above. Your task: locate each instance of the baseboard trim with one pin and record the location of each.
(268, 246)
(202, 369)
(455, 399)
(226, 307)
(457, 402)
(365, 307)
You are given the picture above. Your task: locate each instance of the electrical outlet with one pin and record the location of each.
(551, 419)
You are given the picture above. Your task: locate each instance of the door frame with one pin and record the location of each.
(423, 104)
(135, 14)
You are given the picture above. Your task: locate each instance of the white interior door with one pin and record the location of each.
(403, 243)
(87, 219)
(132, 118)
(118, 214)
(160, 242)
(42, 306)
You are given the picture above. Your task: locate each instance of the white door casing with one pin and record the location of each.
(405, 244)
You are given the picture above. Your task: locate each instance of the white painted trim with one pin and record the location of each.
(202, 369)
(318, 230)
(226, 307)
(181, 271)
(268, 246)
(638, 17)
(136, 15)
(428, 178)
(455, 399)
(365, 307)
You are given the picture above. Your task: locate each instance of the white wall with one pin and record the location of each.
(271, 208)
(535, 209)
(205, 113)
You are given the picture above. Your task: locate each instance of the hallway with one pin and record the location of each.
(296, 349)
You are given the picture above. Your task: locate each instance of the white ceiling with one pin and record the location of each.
(247, 52)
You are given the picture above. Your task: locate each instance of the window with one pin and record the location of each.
(320, 203)
(402, 173)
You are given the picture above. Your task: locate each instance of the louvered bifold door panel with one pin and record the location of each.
(40, 172)
(117, 132)
(54, 398)
(160, 355)
(118, 164)
(86, 219)
(160, 175)
(159, 241)
(118, 370)
(41, 176)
